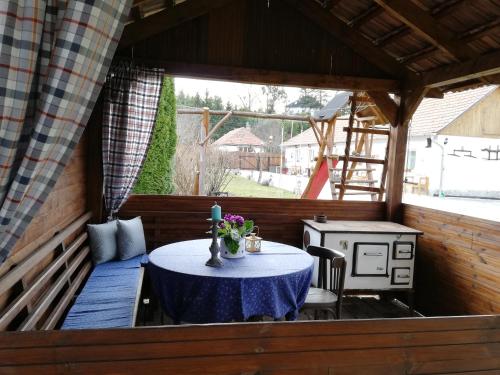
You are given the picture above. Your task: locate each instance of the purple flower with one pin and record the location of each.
(239, 220)
(234, 219)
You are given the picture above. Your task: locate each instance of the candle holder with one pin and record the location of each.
(214, 260)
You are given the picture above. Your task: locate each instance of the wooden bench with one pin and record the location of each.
(39, 302)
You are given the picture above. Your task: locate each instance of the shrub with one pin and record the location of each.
(156, 174)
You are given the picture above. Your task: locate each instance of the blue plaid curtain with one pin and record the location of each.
(54, 56)
(131, 102)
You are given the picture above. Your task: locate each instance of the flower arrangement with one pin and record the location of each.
(232, 229)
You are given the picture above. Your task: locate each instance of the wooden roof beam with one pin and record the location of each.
(330, 4)
(465, 37)
(262, 76)
(427, 26)
(348, 36)
(482, 66)
(438, 12)
(365, 16)
(166, 19)
(387, 106)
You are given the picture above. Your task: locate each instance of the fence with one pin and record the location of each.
(264, 161)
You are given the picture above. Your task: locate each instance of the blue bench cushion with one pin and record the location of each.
(108, 298)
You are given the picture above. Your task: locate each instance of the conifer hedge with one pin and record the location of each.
(156, 174)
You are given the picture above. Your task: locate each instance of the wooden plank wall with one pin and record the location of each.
(65, 203)
(177, 218)
(465, 345)
(457, 262)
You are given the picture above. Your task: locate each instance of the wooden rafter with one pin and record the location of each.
(261, 76)
(481, 66)
(386, 105)
(465, 37)
(429, 27)
(372, 12)
(438, 12)
(166, 19)
(357, 42)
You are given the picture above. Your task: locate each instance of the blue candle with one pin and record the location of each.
(216, 212)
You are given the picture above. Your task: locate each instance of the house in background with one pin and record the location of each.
(240, 140)
(300, 151)
(447, 142)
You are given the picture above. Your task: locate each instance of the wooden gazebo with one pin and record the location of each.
(397, 52)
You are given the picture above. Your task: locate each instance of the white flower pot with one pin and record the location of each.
(225, 253)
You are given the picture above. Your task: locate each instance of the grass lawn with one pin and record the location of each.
(243, 187)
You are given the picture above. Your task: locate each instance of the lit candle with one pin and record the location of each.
(216, 212)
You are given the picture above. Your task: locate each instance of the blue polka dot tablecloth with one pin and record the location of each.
(273, 282)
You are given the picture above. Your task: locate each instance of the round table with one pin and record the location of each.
(273, 282)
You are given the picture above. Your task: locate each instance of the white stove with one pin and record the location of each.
(380, 255)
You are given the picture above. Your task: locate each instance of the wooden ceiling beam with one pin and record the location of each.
(330, 4)
(348, 36)
(166, 19)
(392, 35)
(427, 26)
(365, 16)
(466, 37)
(261, 76)
(482, 66)
(386, 105)
(438, 12)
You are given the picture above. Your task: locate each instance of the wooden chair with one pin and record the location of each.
(330, 287)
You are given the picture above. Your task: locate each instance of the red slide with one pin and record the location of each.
(319, 180)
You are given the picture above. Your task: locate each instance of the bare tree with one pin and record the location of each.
(184, 169)
(273, 95)
(218, 173)
(218, 170)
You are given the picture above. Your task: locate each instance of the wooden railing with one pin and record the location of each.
(177, 218)
(41, 302)
(392, 346)
(457, 262)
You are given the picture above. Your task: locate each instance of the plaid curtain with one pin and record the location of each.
(54, 55)
(131, 102)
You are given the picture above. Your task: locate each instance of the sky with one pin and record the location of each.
(233, 92)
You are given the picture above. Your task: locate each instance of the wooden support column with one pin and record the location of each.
(397, 152)
(202, 163)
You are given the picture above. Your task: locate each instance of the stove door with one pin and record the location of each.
(370, 259)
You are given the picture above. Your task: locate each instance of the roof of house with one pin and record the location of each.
(307, 137)
(434, 115)
(239, 137)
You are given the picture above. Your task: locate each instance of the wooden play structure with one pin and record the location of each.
(352, 172)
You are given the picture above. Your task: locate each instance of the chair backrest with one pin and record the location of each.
(332, 262)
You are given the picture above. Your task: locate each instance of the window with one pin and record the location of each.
(411, 160)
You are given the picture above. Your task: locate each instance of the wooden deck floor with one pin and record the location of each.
(354, 307)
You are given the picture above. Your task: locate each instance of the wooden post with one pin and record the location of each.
(397, 152)
(319, 160)
(203, 151)
(347, 152)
